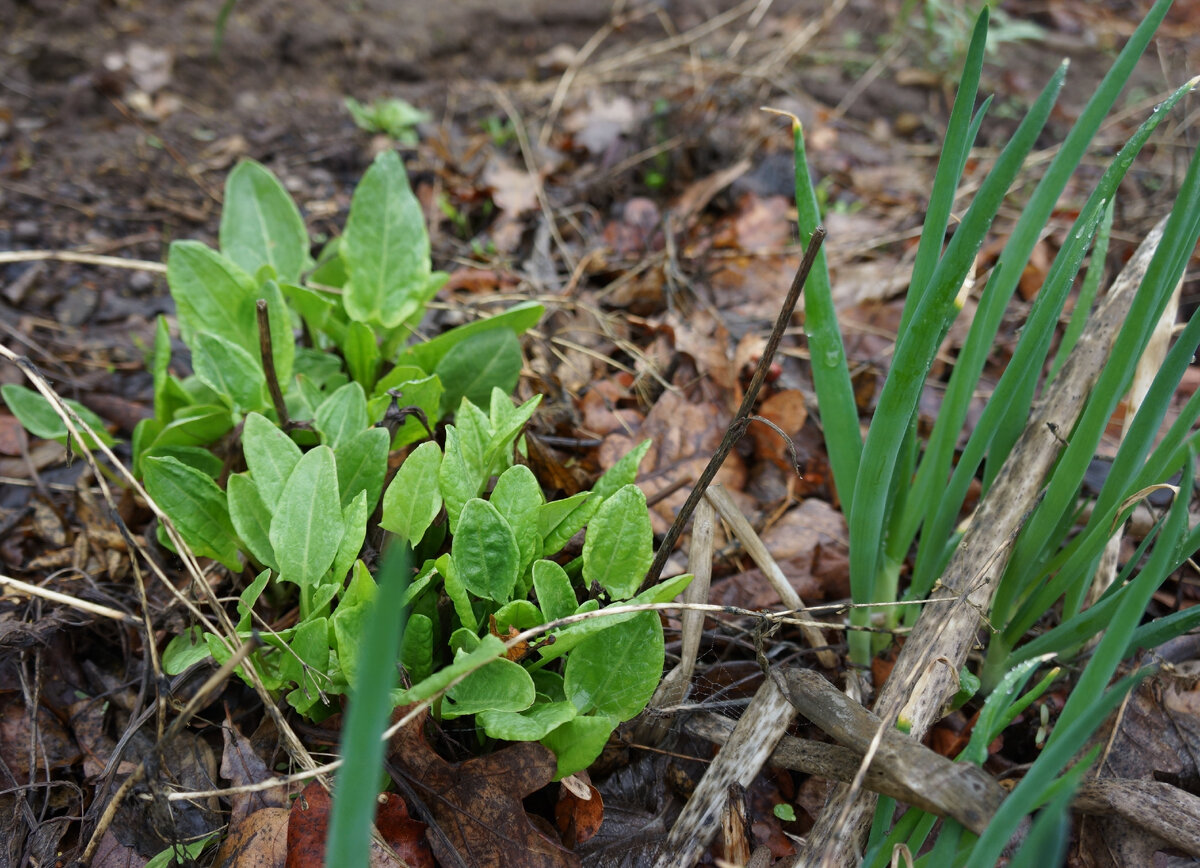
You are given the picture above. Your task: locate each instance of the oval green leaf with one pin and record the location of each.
(615, 672)
(307, 526)
(413, 498)
(485, 552)
(618, 548)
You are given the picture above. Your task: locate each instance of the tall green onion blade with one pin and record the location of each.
(1087, 293)
(1162, 630)
(357, 783)
(1032, 790)
(1072, 633)
(830, 373)
(880, 840)
(1024, 370)
(1008, 407)
(1001, 708)
(1046, 843)
(1127, 474)
(915, 350)
(880, 846)
(960, 134)
(1121, 626)
(939, 450)
(1163, 272)
(948, 847)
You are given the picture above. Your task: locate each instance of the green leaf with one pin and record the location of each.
(307, 666)
(485, 552)
(261, 225)
(423, 393)
(505, 422)
(197, 425)
(385, 247)
(489, 647)
(413, 499)
(579, 741)
(457, 592)
(517, 319)
(230, 371)
(530, 725)
(618, 548)
(307, 525)
(463, 639)
(319, 311)
(623, 473)
(521, 614)
(361, 350)
(559, 520)
(569, 637)
(159, 365)
(518, 497)
(251, 518)
(322, 368)
(342, 415)
(615, 672)
(350, 618)
(35, 413)
(184, 651)
(271, 456)
(481, 362)
(458, 477)
(499, 686)
(362, 465)
(416, 650)
(196, 506)
(354, 533)
(248, 598)
(212, 294)
(193, 456)
(555, 595)
(179, 854)
(331, 268)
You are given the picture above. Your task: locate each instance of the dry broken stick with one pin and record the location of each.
(738, 426)
(934, 783)
(758, 730)
(926, 673)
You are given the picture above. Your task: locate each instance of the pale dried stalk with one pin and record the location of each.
(673, 689)
(926, 673)
(728, 510)
(758, 730)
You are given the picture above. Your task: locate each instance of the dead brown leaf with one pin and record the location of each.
(578, 818)
(241, 765)
(477, 803)
(257, 841)
(308, 827)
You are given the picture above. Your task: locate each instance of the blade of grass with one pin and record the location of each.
(960, 135)
(914, 354)
(831, 376)
(1087, 292)
(1111, 650)
(357, 782)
